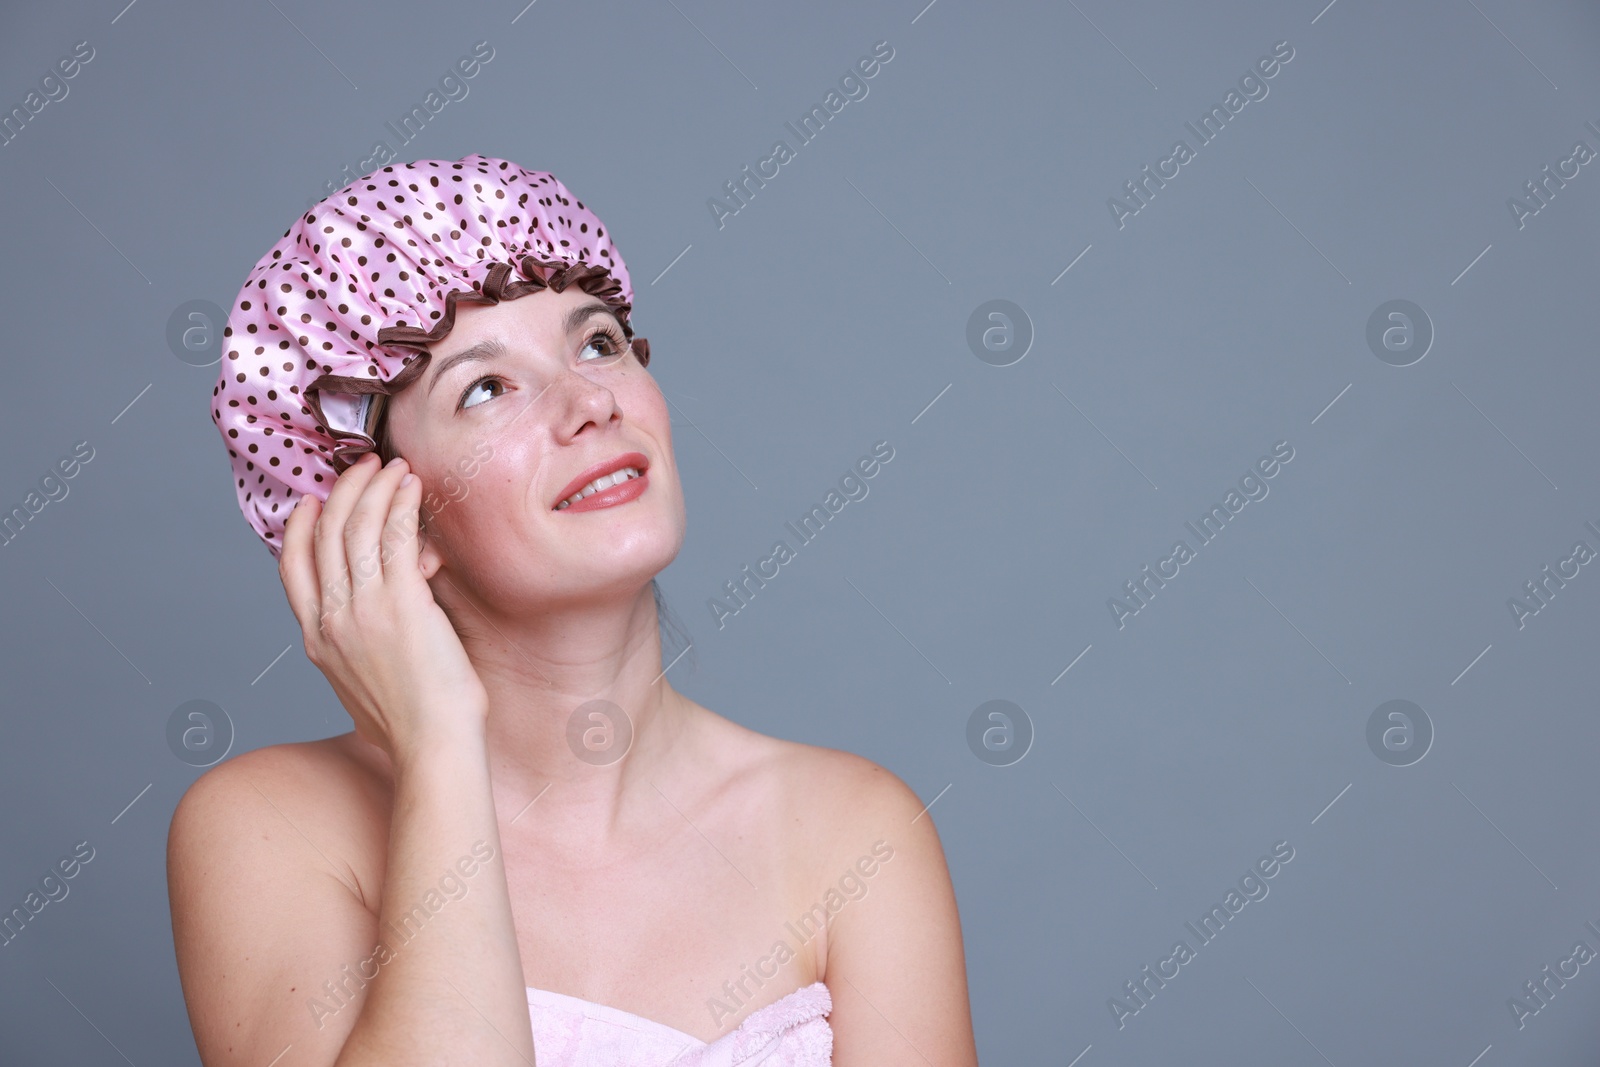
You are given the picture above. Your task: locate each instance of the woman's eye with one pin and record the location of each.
(475, 395)
(608, 344)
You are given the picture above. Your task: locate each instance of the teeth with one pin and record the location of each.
(605, 481)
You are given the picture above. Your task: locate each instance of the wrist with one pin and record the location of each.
(447, 745)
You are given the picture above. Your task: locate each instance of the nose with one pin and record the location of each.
(582, 402)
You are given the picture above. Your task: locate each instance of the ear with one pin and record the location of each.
(428, 558)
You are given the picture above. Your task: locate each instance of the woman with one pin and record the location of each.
(530, 841)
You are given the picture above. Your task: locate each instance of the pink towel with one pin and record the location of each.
(789, 1032)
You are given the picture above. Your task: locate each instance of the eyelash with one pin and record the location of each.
(610, 333)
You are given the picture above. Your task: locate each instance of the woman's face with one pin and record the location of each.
(549, 390)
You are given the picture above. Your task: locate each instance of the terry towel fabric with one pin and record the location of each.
(790, 1032)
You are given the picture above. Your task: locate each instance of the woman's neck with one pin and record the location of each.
(582, 719)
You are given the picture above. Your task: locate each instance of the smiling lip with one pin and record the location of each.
(615, 494)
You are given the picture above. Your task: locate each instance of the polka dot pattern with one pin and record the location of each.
(343, 309)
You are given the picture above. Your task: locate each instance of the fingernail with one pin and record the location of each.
(407, 480)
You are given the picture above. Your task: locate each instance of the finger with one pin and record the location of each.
(401, 533)
(365, 524)
(333, 574)
(296, 567)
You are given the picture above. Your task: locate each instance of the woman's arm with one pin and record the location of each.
(451, 990)
(258, 918)
(894, 963)
(279, 954)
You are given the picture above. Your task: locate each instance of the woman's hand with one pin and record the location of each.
(350, 569)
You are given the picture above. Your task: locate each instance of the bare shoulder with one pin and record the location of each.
(269, 862)
(836, 805)
(870, 874)
(292, 773)
(879, 887)
(319, 793)
(862, 800)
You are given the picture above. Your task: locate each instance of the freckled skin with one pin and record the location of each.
(552, 409)
(325, 307)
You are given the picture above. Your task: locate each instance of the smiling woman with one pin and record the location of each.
(501, 662)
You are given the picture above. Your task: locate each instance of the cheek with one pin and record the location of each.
(449, 489)
(472, 519)
(642, 400)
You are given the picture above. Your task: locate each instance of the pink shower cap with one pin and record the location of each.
(343, 309)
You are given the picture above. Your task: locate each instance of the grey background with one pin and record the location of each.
(1230, 313)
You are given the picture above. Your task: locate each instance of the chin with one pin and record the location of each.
(629, 562)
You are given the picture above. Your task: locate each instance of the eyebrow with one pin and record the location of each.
(492, 349)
